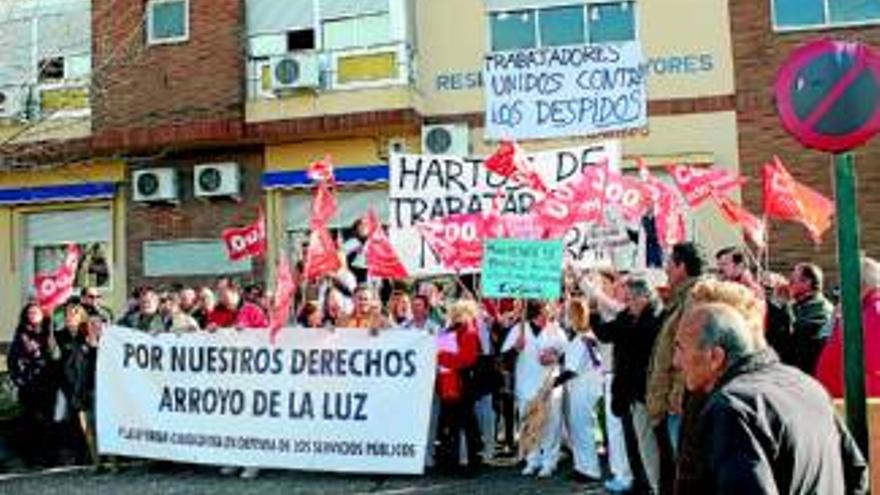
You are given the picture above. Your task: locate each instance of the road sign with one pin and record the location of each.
(828, 95)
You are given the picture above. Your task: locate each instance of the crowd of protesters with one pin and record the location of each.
(705, 381)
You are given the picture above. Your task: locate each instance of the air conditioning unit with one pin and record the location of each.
(296, 71)
(396, 145)
(155, 185)
(11, 103)
(446, 139)
(217, 179)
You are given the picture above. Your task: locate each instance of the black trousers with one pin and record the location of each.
(457, 417)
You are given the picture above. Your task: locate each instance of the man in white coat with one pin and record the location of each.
(538, 343)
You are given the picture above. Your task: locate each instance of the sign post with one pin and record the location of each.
(828, 98)
(850, 291)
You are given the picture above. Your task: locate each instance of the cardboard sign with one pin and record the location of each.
(429, 187)
(562, 91)
(522, 269)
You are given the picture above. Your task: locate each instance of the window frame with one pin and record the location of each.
(536, 11)
(825, 25)
(108, 255)
(151, 41)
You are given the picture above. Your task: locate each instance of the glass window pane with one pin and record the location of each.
(854, 10)
(561, 26)
(612, 22)
(340, 34)
(374, 30)
(794, 13)
(93, 269)
(169, 20)
(513, 30)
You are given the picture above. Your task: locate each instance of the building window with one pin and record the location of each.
(594, 22)
(300, 39)
(94, 264)
(50, 69)
(357, 32)
(167, 21)
(810, 14)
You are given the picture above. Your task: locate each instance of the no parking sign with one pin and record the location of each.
(828, 95)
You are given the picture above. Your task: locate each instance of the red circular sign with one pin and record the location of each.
(828, 95)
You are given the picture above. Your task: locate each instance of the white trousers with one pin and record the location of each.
(546, 453)
(617, 459)
(582, 396)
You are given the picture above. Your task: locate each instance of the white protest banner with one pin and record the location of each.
(565, 91)
(427, 187)
(317, 400)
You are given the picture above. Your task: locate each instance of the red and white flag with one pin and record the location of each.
(697, 185)
(246, 242)
(322, 257)
(382, 259)
(668, 211)
(509, 160)
(322, 170)
(456, 239)
(285, 288)
(787, 199)
(53, 289)
(754, 227)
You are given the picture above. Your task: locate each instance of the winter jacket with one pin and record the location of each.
(768, 428)
(633, 340)
(830, 368)
(77, 370)
(454, 376)
(812, 326)
(153, 323)
(665, 385)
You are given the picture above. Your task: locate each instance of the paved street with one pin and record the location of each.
(141, 480)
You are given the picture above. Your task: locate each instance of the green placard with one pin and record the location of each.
(522, 269)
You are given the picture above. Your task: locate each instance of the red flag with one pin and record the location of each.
(285, 288)
(457, 239)
(697, 185)
(246, 242)
(570, 203)
(509, 160)
(668, 211)
(753, 226)
(323, 205)
(787, 199)
(55, 288)
(321, 256)
(382, 259)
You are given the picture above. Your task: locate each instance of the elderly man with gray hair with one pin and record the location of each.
(766, 427)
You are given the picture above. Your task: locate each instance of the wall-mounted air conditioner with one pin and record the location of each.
(155, 185)
(217, 179)
(446, 139)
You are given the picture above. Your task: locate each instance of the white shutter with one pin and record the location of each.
(59, 227)
(275, 16)
(16, 65)
(64, 34)
(351, 206)
(335, 9)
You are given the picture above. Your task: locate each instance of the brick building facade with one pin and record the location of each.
(758, 51)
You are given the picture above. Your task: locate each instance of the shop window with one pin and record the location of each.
(594, 22)
(167, 21)
(796, 14)
(94, 264)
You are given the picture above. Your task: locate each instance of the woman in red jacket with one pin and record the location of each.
(830, 368)
(458, 351)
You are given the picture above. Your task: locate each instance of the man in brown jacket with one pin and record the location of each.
(665, 385)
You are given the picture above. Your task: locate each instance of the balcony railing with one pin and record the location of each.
(376, 66)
